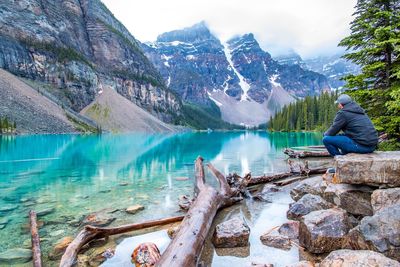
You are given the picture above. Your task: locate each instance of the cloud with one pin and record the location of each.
(309, 27)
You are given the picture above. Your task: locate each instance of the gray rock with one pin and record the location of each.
(100, 218)
(307, 204)
(290, 229)
(380, 232)
(44, 212)
(324, 230)
(276, 241)
(383, 198)
(378, 168)
(354, 199)
(15, 256)
(314, 186)
(357, 258)
(232, 233)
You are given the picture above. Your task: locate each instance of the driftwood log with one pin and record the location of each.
(305, 153)
(186, 246)
(36, 252)
(90, 233)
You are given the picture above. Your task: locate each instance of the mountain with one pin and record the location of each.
(237, 77)
(333, 67)
(73, 48)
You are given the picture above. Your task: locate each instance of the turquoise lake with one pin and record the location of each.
(65, 177)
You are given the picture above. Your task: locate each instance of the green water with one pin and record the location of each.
(70, 176)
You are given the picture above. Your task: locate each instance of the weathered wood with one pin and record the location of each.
(36, 252)
(306, 153)
(90, 233)
(186, 246)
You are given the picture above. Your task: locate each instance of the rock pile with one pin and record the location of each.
(356, 215)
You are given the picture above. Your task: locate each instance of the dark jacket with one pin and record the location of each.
(353, 121)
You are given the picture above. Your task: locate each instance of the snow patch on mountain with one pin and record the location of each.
(242, 82)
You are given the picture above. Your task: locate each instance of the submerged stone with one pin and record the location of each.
(44, 212)
(357, 258)
(378, 169)
(60, 248)
(134, 209)
(15, 256)
(232, 233)
(305, 205)
(324, 230)
(99, 218)
(8, 207)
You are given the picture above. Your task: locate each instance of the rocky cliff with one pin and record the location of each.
(239, 77)
(78, 47)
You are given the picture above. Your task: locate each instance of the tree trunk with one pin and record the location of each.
(36, 252)
(305, 154)
(186, 246)
(90, 233)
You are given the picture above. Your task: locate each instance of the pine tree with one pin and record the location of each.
(374, 43)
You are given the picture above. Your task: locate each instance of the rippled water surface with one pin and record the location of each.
(66, 177)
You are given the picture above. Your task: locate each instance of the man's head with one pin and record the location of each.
(342, 100)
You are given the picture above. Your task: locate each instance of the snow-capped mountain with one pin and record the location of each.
(333, 67)
(238, 76)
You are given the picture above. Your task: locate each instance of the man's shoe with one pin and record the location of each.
(331, 170)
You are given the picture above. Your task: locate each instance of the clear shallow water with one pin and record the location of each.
(70, 176)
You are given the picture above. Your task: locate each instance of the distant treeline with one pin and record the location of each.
(7, 126)
(309, 114)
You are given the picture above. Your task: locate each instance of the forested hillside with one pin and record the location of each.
(310, 113)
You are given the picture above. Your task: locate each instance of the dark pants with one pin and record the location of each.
(341, 145)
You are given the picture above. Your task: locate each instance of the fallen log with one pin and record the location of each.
(35, 239)
(90, 233)
(306, 153)
(186, 246)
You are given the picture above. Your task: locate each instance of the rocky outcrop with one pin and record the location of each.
(380, 232)
(232, 233)
(352, 198)
(384, 198)
(377, 169)
(324, 230)
(76, 46)
(357, 258)
(305, 205)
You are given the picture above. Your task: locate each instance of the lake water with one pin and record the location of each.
(65, 177)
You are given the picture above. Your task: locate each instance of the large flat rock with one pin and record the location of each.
(378, 168)
(357, 258)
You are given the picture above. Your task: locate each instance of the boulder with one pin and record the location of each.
(354, 199)
(314, 186)
(15, 256)
(146, 255)
(290, 229)
(357, 258)
(134, 209)
(380, 233)
(60, 248)
(383, 198)
(232, 233)
(307, 204)
(377, 169)
(276, 241)
(324, 230)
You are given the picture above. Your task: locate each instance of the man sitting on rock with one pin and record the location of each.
(359, 135)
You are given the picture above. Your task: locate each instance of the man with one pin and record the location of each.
(359, 135)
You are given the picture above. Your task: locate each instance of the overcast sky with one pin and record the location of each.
(309, 27)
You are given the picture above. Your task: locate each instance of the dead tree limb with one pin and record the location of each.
(36, 252)
(90, 233)
(186, 246)
(305, 153)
